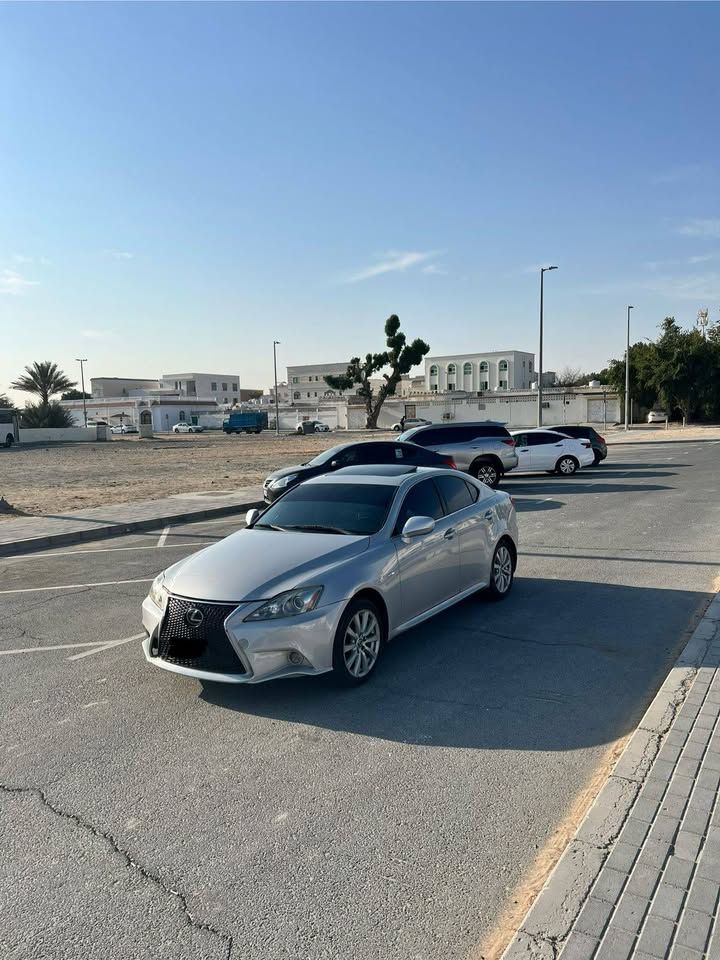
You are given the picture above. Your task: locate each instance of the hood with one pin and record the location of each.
(286, 471)
(259, 564)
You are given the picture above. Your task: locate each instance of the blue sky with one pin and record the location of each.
(180, 184)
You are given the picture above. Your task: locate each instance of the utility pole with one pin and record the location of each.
(276, 343)
(627, 372)
(540, 356)
(81, 361)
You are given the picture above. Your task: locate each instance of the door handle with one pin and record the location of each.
(449, 533)
(488, 515)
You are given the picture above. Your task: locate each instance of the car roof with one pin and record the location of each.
(378, 469)
(538, 430)
(383, 474)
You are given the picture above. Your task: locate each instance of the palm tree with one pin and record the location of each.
(43, 379)
(5, 400)
(53, 415)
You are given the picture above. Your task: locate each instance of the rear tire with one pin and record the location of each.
(359, 641)
(597, 459)
(9, 440)
(487, 471)
(502, 571)
(566, 466)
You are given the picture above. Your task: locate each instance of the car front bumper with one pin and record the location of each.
(263, 649)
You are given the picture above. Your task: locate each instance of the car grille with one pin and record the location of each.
(205, 646)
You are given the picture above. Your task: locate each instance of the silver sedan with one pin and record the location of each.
(329, 573)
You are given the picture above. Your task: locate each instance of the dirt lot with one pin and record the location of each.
(59, 477)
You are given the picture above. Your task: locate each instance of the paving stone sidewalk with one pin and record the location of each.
(26, 534)
(641, 878)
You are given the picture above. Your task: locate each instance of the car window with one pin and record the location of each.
(454, 492)
(422, 501)
(350, 508)
(540, 439)
(521, 440)
(473, 491)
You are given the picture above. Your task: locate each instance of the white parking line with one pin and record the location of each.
(163, 536)
(76, 586)
(106, 646)
(77, 553)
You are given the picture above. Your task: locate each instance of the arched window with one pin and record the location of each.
(451, 369)
(296, 395)
(483, 366)
(145, 417)
(181, 415)
(467, 369)
(433, 370)
(502, 366)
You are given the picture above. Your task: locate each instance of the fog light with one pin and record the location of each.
(295, 658)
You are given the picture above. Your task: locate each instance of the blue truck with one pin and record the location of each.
(246, 422)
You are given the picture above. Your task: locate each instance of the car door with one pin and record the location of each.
(547, 448)
(463, 504)
(523, 451)
(429, 566)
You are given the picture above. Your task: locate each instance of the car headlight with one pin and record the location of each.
(288, 604)
(158, 593)
(282, 482)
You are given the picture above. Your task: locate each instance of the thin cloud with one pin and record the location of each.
(24, 260)
(699, 227)
(119, 254)
(434, 270)
(91, 334)
(694, 287)
(686, 171)
(13, 283)
(702, 258)
(394, 261)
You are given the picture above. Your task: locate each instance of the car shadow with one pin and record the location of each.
(527, 504)
(578, 485)
(560, 665)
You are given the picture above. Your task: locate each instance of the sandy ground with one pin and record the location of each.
(54, 478)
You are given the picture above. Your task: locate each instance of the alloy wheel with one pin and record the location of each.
(361, 643)
(567, 466)
(502, 569)
(488, 474)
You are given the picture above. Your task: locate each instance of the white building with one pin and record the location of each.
(221, 387)
(307, 382)
(479, 372)
(161, 411)
(119, 386)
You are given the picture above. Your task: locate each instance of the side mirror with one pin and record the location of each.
(251, 516)
(418, 526)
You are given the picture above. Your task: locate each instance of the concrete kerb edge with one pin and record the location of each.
(36, 544)
(547, 924)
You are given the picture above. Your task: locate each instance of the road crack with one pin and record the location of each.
(132, 864)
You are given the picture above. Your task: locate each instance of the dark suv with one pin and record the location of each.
(352, 455)
(484, 450)
(599, 446)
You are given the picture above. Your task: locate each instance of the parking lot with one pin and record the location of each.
(144, 814)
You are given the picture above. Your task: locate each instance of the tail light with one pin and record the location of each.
(510, 442)
(449, 462)
(601, 439)
(587, 444)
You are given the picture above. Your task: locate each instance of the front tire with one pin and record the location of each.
(488, 472)
(566, 466)
(502, 571)
(359, 640)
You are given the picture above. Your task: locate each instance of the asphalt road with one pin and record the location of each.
(144, 815)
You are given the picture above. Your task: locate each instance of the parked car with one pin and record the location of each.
(312, 426)
(252, 422)
(124, 428)
(599, 446)
(657, 416)
(410, 422)
(484, 449)
(183, 427)
(352, 454)
(553, 452)
(328, 574)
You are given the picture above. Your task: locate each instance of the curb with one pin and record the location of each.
(548, 922)
(34, 544)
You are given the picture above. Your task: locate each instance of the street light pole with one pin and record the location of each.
(627, 372)
(277, 411)
(81, 361)
(540, 352)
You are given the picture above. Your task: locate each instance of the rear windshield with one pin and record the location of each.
(355, 509)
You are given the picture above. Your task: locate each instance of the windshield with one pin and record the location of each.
(325, 456)
(354, 509)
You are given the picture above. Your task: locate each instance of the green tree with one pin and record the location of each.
(569, 377)
(52, 414)
(683, 371)
(400, 356)
(5, 400)
(43, 379)
(76, 395)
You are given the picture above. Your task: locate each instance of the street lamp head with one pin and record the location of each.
(545, 269)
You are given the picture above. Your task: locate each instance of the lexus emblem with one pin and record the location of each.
(194, 617)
